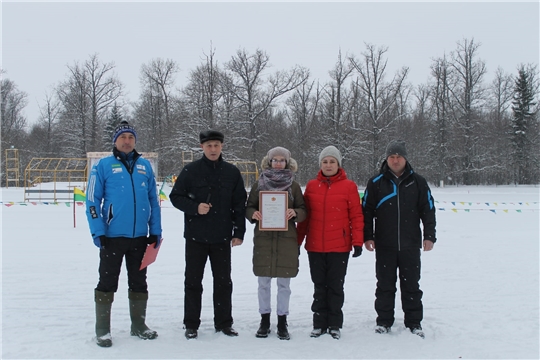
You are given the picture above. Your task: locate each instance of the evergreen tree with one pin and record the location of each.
(114, 118)
(524, 114)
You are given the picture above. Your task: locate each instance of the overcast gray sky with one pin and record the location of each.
(40, 38)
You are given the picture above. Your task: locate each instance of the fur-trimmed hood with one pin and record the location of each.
(265, 164)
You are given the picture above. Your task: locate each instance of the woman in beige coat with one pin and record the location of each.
(275, 253)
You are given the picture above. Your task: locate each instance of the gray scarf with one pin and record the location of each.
(276, 180)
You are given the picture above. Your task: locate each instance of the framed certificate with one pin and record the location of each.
(273, 207)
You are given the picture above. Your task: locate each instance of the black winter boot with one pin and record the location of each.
(264, 329)
(282, 331)
(103, 302)
(137, 311)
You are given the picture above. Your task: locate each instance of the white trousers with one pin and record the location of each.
(283, 295)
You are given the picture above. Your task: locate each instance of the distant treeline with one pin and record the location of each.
(458, 128)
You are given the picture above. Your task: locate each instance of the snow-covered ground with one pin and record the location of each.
(481, 290)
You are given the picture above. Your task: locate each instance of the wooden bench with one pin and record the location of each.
(49, 194)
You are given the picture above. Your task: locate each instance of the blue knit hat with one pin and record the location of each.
(124, 127)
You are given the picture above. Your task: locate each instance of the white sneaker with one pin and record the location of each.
(381, 329)
(418, 331)
(335, 333)
(316, 332)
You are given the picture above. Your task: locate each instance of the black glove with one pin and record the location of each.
(357, 251)
(101, 241)
(151, 239)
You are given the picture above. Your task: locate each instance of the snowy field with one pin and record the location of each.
(480, 283)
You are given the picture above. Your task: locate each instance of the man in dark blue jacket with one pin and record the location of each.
(211, 193)
(394, 203)
(124, 216)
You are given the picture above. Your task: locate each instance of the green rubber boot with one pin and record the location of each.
(137, 311)
(104, 302)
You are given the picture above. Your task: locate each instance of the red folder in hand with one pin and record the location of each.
(150, 255)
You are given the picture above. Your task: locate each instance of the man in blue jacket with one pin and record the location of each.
(395, 202)
(211, 193)
(124, 216)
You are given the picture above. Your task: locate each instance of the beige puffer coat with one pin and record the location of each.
(275, 253)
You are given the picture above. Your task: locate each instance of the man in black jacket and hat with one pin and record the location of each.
(211, 193)
(395, 202)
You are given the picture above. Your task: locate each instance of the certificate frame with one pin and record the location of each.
(273, 206)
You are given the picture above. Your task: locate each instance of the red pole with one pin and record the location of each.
(74, 222)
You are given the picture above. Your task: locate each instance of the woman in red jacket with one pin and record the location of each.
(334, 227)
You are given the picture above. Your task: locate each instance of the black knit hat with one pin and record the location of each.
(211, 135)
(396, 147)
(124, 127)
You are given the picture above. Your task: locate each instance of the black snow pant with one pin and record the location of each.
(220, 261)
(328, 272)
(110, 263)
(387, 264)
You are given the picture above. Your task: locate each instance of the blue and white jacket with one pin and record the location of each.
(122, 197)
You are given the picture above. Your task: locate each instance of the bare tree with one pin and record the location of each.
(467, 93)
(86, 97)
(302, 114)
(336, 93)
(11, 112)
(74, 118)
(48, 119)
(380, 96)
(158, 111)
(157, 80)
(442, 103)
(419, 131)
(202, 90)
(158, 75)
(12, 121)
(496, 159)
(203, 95)
(104, 89)
(256, 94)
(341, 116)
(501, 91)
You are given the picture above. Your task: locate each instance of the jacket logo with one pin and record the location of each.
(140, 167)
(143, 184)
(117, 170)
(93, 212)
(409, 184)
